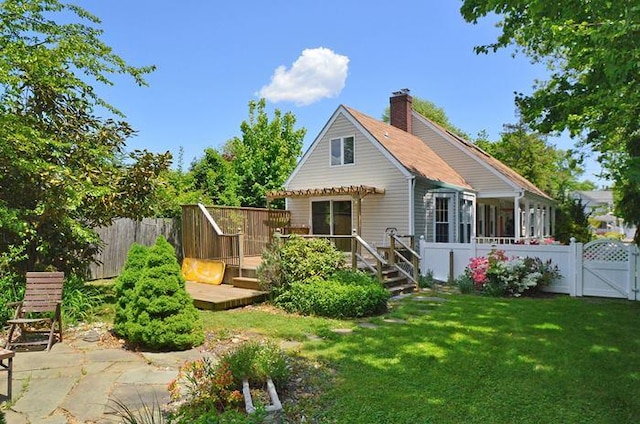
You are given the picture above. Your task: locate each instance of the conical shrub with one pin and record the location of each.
(160, 314)
(126, 282)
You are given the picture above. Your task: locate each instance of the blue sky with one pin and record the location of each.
(307, 57)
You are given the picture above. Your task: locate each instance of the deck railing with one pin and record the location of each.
(228, 233)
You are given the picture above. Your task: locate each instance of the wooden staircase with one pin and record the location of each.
(396, 282)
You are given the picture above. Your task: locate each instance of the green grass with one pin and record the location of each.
(472, 359)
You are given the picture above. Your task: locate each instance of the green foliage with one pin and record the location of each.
(246, 168)
(572, 221)
(79, 300)
(126, 283)
(427, 281)
(147, 414)
(63, 168)
(465, 283)
(591, 49)
(11, 290)
(211, 392)
(433, 112)
(159, 313)
(554, 171)
(298, 259)
(2, 418)
(214, 175)
(266, 154)
(202, 386)
(257, 361)
(344, 294)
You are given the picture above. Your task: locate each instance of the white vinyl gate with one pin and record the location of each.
(609, 269)
(603, 267)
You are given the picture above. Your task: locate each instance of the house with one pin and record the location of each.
(412, 175)
(600, 207)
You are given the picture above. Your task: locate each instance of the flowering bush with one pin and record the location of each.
(202, 385)
(497, 275)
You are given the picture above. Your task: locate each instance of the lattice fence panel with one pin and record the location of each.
(605, 251)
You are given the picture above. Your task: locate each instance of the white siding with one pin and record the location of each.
(371, 168)
(477, 175)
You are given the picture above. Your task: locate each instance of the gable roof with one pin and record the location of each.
(506, 173)
(596, 197)
(409, 150)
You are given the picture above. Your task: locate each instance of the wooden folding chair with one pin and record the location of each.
(41, 304)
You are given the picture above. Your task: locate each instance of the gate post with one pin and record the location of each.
(634, 256)
(573, 269)
(579, 270)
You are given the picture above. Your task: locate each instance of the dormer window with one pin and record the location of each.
(342, 151)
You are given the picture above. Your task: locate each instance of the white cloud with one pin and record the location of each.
(316, 74)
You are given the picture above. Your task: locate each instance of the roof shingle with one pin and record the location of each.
(410, 151)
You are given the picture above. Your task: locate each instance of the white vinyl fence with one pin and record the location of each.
(604, 267)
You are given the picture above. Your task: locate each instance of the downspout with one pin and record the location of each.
(517, 224)
(412, 186)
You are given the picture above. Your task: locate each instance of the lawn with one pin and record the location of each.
(468, 359)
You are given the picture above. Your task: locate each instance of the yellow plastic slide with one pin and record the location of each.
(203, 270)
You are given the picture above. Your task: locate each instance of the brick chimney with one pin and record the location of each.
(400, 110)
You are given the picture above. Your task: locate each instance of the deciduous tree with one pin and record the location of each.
(63, 169)
(593, 91)
(266, 154)
(554, 171)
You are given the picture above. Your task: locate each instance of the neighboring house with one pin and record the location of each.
(412, 175)
(599, 205)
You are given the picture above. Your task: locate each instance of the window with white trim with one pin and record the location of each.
(466, 215)
(342, 151)
(443, 212)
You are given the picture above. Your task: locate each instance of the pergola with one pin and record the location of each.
(357, 193)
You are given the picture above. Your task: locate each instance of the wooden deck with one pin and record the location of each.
(224, 296)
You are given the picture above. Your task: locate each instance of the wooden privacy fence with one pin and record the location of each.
(119, 237)
(228, 233)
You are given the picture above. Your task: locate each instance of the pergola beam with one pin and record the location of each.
(354, 190)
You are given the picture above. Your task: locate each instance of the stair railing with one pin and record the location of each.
(409, 267)
(356, 254)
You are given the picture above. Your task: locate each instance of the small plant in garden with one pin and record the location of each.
(427, 281)
(497, 275)
(298, 259)
(79, 299)
(465, 283)
(145, 415)
(214, 390)
(256, 362)
(159, 313)
(204, 386)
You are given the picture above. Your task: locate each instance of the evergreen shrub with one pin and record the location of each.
(126, 282)
(345, 294)
(159, 313)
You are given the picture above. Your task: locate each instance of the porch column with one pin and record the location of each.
(517, 221)
(547, 214)
(357, 205)
(552, 227)
(527, 218)
(537, 221)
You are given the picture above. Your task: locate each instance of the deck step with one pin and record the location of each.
(246, 283)
(402, 289)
